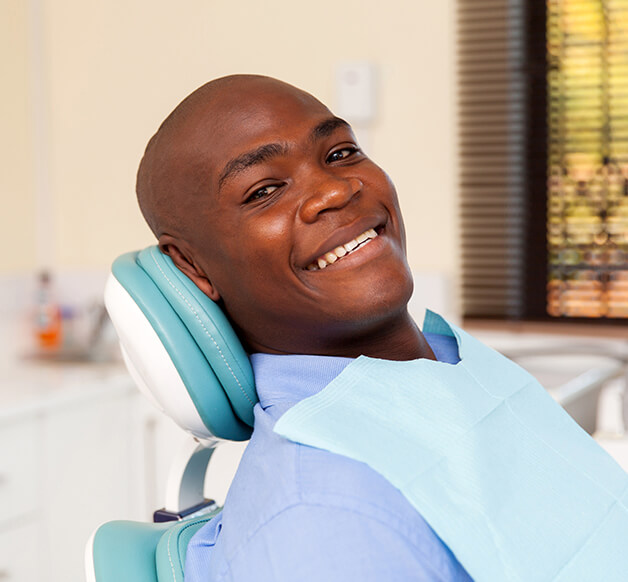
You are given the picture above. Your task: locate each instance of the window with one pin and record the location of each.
(543, 110)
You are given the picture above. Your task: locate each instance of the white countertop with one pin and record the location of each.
(35, 386)
(28, 384)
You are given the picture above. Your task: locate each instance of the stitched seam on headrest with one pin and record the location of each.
(170, 534)
(174, 575)
(205, 329)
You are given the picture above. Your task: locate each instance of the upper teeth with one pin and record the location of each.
(346, 249)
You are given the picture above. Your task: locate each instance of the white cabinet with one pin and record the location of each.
(76, 452)
(20, 473)
(20, 503)
(67, 465)
(19, 547)
(87, 462)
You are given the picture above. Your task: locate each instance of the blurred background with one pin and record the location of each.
(503, 124)
(87, 83)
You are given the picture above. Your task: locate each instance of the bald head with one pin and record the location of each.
(174, 174)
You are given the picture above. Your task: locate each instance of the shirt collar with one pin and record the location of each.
(288, 379)
(285, 380)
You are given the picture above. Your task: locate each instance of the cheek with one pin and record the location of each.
(388, 194)
(380, 181)
(256, 255)
(265, 239)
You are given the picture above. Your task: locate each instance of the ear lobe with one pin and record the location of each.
(188, 267)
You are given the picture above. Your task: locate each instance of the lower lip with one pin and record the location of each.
(362, 254)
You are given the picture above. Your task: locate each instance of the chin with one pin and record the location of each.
(381, 300)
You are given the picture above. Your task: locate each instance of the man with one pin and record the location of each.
(264, 199)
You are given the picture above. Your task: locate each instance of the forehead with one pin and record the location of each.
(234, 121)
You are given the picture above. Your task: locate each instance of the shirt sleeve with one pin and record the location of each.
(316, 543)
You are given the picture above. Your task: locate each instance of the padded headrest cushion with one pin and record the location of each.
(197, 337)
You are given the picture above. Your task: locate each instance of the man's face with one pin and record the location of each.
(297, 230)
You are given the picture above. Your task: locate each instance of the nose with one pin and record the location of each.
(329, 193)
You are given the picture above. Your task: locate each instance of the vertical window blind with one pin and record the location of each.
(492, 147)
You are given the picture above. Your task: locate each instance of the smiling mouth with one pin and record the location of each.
(343, 250)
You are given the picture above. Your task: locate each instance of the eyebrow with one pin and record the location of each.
(268, 151)
(248, 159)
(327, 127)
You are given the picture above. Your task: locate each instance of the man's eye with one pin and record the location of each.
(261, 193)
(341, 154)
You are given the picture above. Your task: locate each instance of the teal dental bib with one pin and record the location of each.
(514, 487)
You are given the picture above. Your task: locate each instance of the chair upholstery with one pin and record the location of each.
(184, 355)
(129, 551)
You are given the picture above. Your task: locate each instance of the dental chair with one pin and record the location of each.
(184, 356)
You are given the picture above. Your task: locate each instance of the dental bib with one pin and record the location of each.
(505, 477)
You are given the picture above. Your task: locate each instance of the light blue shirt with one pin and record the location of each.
(298, 513)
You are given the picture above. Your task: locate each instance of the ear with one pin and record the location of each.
(184, 261)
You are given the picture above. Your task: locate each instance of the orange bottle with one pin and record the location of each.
(47, 316)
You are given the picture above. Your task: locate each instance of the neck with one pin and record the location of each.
(397, 339)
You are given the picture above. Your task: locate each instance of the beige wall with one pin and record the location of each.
(17, 193)
(113, 70)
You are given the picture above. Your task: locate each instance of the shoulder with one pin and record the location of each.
(309, 541)
(295, 512)
(279, 474)
(295, 508)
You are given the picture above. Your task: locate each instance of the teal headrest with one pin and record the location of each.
(198, 338)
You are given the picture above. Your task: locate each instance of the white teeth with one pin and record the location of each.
(332, 256)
